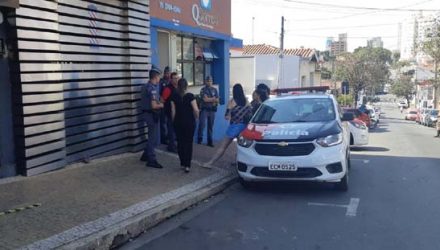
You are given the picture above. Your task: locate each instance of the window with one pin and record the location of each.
(296, 110)
(191, 62)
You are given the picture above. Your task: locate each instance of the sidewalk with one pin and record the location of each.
(104, 202)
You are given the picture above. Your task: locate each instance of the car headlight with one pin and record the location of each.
(242, 141)
(331, 140)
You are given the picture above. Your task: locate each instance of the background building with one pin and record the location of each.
(254, 64)
(375, 42)
(340, 46)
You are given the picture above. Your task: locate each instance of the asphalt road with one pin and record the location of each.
(393, 203)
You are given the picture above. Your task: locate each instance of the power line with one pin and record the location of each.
(345, 27)
(356, 7)
(358, 14)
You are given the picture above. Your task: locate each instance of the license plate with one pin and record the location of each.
(282, 166)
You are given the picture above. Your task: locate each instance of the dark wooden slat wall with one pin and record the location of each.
(80, 64)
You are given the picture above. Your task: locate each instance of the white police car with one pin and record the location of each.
(296, 138)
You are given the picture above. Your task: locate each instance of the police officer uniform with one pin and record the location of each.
(150, 116)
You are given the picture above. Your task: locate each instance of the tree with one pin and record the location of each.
(365, 69)
(431, 46)
(345, 100)
(403, 87)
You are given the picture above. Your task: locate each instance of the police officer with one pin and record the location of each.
(209, 103)
(151, 107)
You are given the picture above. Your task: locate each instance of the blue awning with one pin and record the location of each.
(209, 55)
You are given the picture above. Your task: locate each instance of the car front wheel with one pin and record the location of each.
(343, 184)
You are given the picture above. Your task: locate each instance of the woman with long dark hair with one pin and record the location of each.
(238, 114)
(184, 112)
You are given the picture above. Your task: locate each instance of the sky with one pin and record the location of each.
(310, 25)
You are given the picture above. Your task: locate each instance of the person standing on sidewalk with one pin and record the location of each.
(167, 93)
(209, 103)
(238, 114)
(151, 107)
(164, 82)
(184, 114)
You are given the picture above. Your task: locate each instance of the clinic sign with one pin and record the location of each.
(213, 15)
(202, 15)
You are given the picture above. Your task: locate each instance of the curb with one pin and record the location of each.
(117, 228)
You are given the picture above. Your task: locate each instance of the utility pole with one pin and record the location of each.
(280, 62)
(253, 29)
(282, 38)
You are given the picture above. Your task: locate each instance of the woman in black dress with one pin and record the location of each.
(184, 112)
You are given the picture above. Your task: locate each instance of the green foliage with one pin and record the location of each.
(403, 87)
(365, 69)
(346, 100)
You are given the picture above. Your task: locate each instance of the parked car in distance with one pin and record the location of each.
(419, 116)
(411, 115)
(402, 103)
(424, 115)
(359, 115)
(359, 134)
(432, 117)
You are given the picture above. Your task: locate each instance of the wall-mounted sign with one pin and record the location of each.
(204, 18)
(214, 15)
(170, 7)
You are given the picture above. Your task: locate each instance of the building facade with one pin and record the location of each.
(261, 63)
(340, 46)
(375, 42)
(70, 77)
(193, 38)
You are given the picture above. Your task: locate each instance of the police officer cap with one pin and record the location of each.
(156, 69)
(167, 69)
(208, 78)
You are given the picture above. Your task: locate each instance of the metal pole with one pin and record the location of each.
(253, 30)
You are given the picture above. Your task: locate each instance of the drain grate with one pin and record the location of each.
(19, 209)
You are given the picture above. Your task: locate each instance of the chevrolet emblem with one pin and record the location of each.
(283, 144)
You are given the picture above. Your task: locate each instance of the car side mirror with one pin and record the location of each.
(346, 117)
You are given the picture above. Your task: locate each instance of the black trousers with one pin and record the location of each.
(185, 139)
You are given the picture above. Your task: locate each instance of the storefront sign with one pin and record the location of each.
(213, 15)
(203, 18)
(170, 7)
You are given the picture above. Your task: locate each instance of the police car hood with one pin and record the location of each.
(300, 131)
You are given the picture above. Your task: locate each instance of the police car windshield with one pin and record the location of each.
(295, 110)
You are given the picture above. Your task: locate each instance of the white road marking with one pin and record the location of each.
(351, 207)
(364, 161)
(326, 205)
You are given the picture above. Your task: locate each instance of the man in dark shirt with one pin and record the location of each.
(167, 93)
(209, 102)
(163, 122)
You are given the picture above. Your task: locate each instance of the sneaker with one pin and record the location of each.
(154, 165)
(210, 145)
(186, 169)
(206, 165)
(199, 141)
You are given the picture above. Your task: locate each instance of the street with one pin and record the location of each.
(393, 203)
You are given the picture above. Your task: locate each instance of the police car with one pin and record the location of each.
(296, 138)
